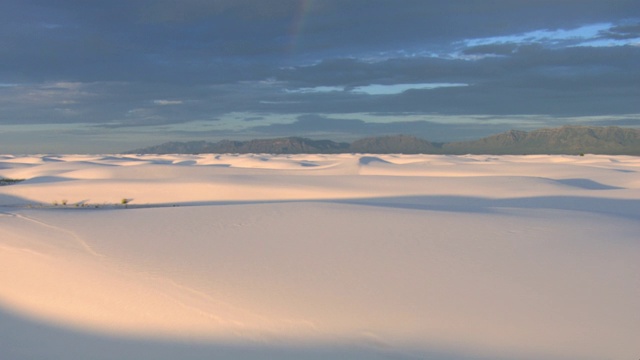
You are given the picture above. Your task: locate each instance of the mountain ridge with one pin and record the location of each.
(569, 140)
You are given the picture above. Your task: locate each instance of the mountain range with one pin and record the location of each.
(570, 140)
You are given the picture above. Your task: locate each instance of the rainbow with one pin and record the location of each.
(297, 24)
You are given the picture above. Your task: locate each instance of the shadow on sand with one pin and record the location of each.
(622, 208)
(23, 338)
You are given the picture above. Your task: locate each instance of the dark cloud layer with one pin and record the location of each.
(344, 128)
(123, 64)
(224, 41)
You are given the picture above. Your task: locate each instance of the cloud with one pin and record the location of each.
(617, 121)
(223, 41)
(253, 118)
(491, 49)
(623, 32)
(312, 125)
(531, 80)
(373, 89)
(168, 102)
(549, 37)
(103, 103)
(181, 11)
(378, 89)
(317, 89)
(350, 72)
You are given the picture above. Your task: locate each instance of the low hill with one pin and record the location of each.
(398, 144)
(571, 140)
(290, 145)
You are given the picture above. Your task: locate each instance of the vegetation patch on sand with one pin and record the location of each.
(8, 181)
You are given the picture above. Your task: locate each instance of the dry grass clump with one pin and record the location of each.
(9, 181)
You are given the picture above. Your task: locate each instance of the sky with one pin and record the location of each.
(106, 76)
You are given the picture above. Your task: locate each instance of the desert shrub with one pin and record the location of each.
(9, 181)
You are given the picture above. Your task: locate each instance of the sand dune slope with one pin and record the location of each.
(320, 256)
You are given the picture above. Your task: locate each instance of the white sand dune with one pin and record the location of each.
(320, 256)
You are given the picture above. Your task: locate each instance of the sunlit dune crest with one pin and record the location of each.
(386, 256)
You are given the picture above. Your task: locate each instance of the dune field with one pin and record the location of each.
(319, 257)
